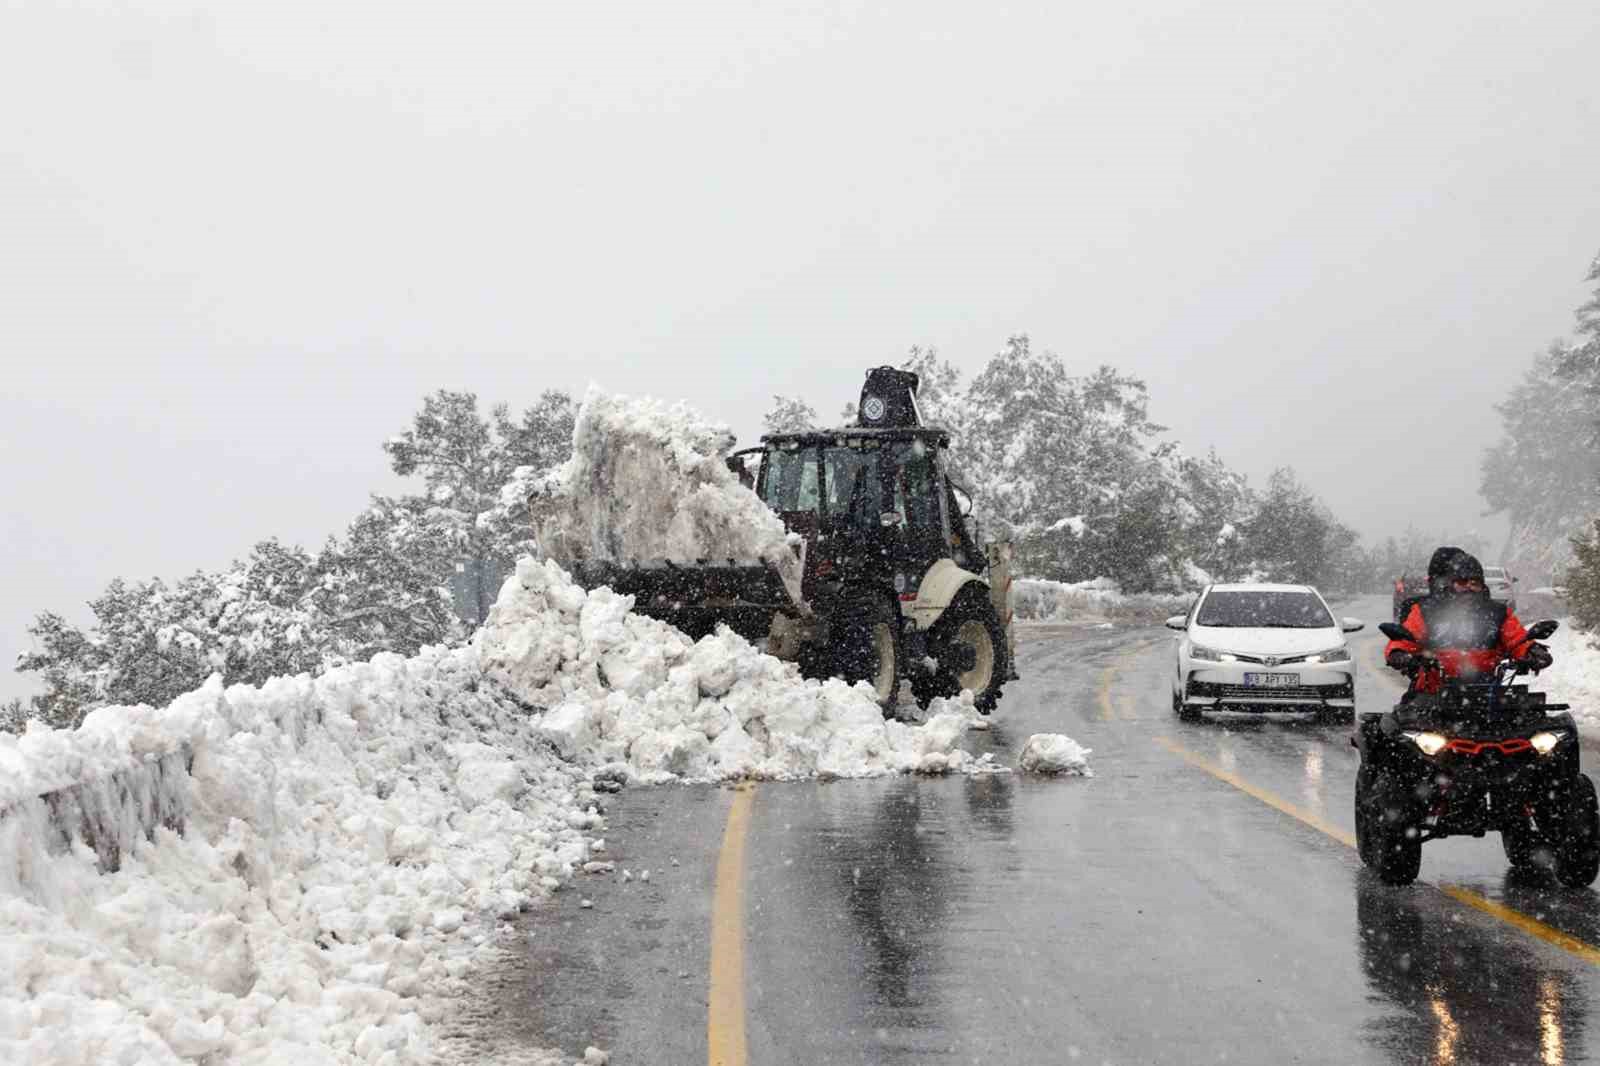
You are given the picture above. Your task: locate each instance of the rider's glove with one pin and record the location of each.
(1538, 657)
(1404, 661)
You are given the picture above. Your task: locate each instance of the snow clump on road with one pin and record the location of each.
(1054, 753)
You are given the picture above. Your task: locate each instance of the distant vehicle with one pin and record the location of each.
(1263, 648)
(1501, 585)
(1409, 587)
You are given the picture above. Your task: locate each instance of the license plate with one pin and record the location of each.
(1272, 680)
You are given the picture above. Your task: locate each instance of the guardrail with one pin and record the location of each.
(107, 814)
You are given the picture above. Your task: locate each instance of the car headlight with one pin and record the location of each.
(1545, 743)
(1430, 743)
(1332, 655)
(1210, 655)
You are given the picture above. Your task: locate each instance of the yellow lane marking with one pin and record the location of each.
(1532, 926)
(1298, 813)
(725, 1040)
(1107, 677)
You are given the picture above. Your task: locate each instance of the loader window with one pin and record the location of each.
(854, 487)
(790, 481)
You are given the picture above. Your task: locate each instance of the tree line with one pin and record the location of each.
(1071, 468)
(1544, 472)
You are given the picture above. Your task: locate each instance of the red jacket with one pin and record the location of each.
(1482, 644)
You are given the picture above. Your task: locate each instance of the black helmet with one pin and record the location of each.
(1465, 567)
(1443, 558)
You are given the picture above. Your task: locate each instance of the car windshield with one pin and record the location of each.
(1264, 610)
(1494, 573)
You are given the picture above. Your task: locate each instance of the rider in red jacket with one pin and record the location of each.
(1467, 632)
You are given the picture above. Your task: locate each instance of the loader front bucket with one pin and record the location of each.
(695, 598)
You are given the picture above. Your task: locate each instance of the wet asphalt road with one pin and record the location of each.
(1155, 913)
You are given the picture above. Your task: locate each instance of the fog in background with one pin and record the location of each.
(241, 245)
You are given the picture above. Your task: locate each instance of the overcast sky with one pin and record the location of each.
(239, 245)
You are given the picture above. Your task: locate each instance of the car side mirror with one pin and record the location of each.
(1543, 630)
(1178, 621)
(1352, 625)
(1515, 580)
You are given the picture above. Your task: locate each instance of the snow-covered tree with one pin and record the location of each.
(465, 459)
(1582, 577)
(789, 414)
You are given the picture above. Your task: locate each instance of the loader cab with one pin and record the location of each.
(880, 498)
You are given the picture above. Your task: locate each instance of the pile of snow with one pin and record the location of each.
(347, 843)
(1055, 753)
(620, 691)
(1038, 600)
(1575, 677)
(350, 842)
(648, 482)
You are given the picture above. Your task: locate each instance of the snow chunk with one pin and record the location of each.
(1054, 753)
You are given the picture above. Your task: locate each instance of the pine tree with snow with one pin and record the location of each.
(1583, 579)
(465, 460)
(789, 414)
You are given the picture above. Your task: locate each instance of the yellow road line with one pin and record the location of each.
(725, 1040)
(1107, 676)
(1298, 813)
(1532, 926)
(1515, 918)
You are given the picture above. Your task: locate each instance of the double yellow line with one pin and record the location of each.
(725, 1037)
(1514, 918)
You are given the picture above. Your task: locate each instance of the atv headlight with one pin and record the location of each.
(1430, 743)
(1544, 743)
(1332, 655)
(1210, 655)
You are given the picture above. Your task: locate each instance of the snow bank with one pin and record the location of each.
(1054, 753)
(1575, 677)
(648, 481)
(339, 833)
(621, 691)
(1037, 600)
(348, 842)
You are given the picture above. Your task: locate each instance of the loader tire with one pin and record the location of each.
(971, 623)
(866, 647)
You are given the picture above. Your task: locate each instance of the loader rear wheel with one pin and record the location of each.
(969, 630)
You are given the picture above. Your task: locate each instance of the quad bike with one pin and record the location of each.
(1476, 757)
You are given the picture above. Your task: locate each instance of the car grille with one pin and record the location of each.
(1254, 693)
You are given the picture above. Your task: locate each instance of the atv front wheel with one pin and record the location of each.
(1578, 851)
(1395, 839)
(1363, 812)
(1521, 843)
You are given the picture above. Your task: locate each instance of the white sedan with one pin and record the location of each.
(1263, 648)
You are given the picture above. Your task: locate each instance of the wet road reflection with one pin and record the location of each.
(1462, 996)
(890, 870)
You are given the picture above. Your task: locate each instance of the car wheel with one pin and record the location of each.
(1578, 852)
(1184, 711)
